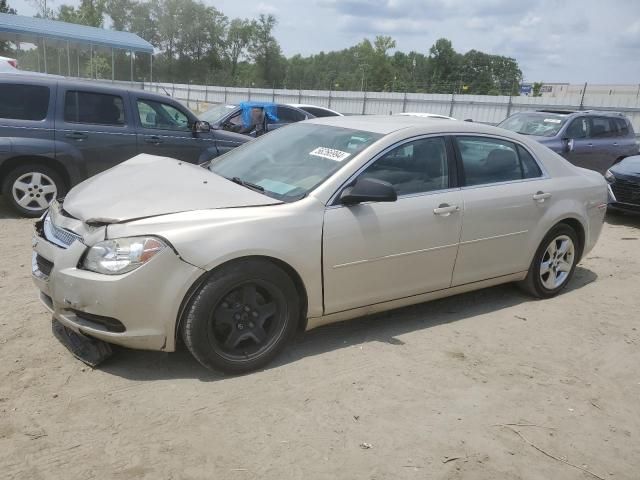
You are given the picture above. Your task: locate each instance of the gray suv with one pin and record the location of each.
(590, 139)
(55, 133)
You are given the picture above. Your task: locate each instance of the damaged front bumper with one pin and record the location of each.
(138, 309)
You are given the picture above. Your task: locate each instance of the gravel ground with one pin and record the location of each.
(486, 385)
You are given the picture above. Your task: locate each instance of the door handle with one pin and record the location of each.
(76, 135)
(540, 197)
(444, 209)
(154, 139)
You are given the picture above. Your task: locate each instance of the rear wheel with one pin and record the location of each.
(242, 317)
(554, 263)
(30, 189)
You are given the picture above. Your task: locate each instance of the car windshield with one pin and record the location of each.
(215, 114)
(541, 124)
(291, 161)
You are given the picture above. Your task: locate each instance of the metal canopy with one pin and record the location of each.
(30, 29)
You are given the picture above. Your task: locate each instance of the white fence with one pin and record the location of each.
(479, 108)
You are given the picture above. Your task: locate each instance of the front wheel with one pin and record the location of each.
(553, 264)
(242, 317)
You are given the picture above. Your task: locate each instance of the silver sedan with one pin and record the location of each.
(318, 222)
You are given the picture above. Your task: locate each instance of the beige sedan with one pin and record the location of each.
(318, 222)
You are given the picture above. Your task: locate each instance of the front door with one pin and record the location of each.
(374, 252)
(167, 130)
(505, 195)
(98, 124)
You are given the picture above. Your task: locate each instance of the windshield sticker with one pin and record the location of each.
(276, 187)
(330, 153)
(552, 120)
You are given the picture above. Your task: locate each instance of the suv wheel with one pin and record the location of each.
(31, 188)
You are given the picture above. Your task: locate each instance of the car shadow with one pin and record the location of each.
(623, 218)
(384, 327)
(6, 212)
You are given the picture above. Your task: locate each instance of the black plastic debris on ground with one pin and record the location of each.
(86, 349)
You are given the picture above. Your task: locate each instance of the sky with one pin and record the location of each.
(571, 41)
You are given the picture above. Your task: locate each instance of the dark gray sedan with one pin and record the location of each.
(624, 185)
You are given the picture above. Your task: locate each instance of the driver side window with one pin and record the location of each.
(579, 128)
(161, 116)
(414, 167)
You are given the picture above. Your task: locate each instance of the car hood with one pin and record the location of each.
(630, 166)
(147, 186)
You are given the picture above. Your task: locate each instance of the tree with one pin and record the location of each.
(443, 61)
(265, 51)
(89, 12)
(5, 8)
(5, 47)
(535, 90)
(237, 41)
(42, 9)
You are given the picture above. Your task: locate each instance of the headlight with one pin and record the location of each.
(122, 255)
(610, 177)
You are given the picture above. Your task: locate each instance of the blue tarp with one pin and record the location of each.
(27, 29)
(270, 111)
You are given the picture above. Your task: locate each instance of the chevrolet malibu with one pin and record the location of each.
(318, 222)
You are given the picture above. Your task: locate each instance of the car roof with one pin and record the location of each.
(575, 113)
(386, 124)
(49, 79)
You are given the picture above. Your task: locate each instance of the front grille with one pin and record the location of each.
(59, 236)
(44, 265)
(626, 191)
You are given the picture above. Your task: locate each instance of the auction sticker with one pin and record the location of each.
(552, 120)
(330, 153)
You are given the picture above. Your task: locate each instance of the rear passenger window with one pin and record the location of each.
(489, 160)
(93, 108)
(623, 127)
(289, 115)
(602, 127)
(415, 167)
(24, 102)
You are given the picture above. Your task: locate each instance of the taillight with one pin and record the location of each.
(13, 63)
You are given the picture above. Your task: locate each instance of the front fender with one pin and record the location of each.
(290, 233)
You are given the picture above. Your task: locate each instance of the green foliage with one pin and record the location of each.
(197, 43)
(537, 86)
(89, 12)
(5, 47)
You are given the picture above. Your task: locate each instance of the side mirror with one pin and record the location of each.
(567, 145)
(201, 127)
(368, 190)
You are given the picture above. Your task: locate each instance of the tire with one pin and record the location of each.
(559, 270)
(233, 329)
(30, 188)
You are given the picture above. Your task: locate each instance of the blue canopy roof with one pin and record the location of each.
(269, 109)
(27, 29)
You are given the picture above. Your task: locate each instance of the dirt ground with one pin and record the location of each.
(433, 391)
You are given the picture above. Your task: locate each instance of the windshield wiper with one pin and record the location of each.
(244, 183)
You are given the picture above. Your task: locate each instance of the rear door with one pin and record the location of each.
(604, 143)
(505, 194)
(166, 128)
(97, 124)
(625, 141)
